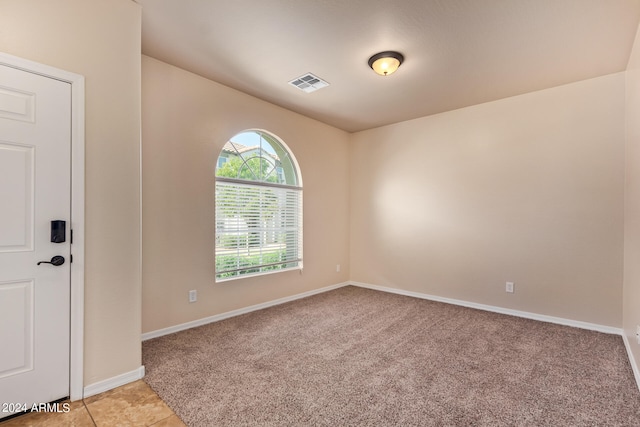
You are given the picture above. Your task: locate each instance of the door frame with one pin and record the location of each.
(76, 350)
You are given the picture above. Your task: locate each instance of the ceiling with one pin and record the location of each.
(457, 52)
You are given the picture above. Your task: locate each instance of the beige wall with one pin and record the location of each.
(631, 305)
(99, 39)
(185, 122)
(526, 189)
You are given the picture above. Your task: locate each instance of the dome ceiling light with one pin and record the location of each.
(385, 63)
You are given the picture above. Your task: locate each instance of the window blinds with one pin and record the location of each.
(258, 228)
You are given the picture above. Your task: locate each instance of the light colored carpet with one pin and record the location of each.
(357, 357)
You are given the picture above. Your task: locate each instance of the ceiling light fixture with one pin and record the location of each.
(385, 63)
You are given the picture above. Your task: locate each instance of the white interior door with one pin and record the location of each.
(35, 180)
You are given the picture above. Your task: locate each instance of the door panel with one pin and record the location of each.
(16, 327)
(35, 188)
(16, 192)
(17, 105)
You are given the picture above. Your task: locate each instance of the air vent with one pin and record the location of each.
(309, 83)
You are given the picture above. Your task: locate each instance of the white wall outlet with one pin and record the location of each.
(337, 268)
(509, 287)
(638, 333)
(193, 296)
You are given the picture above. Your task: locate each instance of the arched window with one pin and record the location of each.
(258, 207)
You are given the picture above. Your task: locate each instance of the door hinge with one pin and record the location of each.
(72, 236)
(70, 257)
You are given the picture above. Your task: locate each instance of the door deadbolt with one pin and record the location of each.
(58, 231)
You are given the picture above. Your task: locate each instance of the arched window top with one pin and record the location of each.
(258, 156)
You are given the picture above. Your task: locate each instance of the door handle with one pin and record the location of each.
(56, 260)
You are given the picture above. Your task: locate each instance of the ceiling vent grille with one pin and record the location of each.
(308, 83)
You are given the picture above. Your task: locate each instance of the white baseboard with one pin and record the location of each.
(238, 312)
(111, 383)
(632, 360)
(495, 309)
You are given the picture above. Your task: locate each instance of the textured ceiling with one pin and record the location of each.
(457, 52)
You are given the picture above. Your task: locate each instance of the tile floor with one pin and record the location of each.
(134, 404)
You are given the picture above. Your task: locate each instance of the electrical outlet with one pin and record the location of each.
(193, 296)
(337, 268)
(509, 287)
(638, 333)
